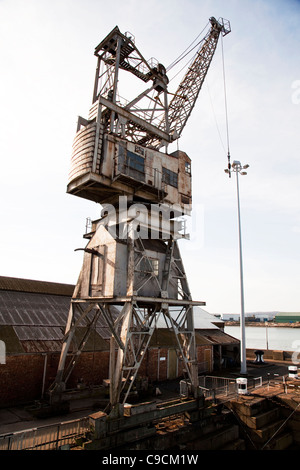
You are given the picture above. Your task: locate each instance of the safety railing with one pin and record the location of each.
(224, 388)
(49, 437)
(217, 387)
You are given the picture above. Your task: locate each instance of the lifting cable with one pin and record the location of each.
(184, 67)
(215, 118)
(226, 109)
(186, 51)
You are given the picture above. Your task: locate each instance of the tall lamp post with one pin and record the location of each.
(238, 169)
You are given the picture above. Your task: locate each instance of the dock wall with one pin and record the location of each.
(272, 355)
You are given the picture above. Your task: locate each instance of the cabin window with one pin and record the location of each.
(170, 177)
(150, 265)
(154, 263)
(136, 166)
(136, 162)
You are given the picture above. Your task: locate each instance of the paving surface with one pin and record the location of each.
(15, 419)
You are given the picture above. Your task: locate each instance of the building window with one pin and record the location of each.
(170, 177)
(188, 168)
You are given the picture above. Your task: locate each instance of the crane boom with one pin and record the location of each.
(149, 119)
(187, 93)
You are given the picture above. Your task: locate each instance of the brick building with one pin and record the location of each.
(33, 316)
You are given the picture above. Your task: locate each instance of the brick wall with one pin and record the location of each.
(91, 368)
(21, 378)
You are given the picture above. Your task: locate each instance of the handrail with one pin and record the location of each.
(50, 436)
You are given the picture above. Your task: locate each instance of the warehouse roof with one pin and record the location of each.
(218, 337)
(165, 338)
(288, 314)
(40, 287)
(33, 317)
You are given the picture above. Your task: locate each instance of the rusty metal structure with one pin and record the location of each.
(132, 271)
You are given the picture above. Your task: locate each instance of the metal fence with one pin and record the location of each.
(217, 387)
(224, 388)
(50, 437)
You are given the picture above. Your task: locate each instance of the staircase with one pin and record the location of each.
(218, 432)
(263, 422)
(227, 438)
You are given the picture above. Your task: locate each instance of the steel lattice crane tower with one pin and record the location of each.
(132, 271)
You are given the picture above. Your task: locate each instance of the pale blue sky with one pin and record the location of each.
(47, 73)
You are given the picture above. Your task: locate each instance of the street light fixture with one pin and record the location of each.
(237, 168)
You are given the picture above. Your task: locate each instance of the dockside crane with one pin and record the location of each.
(132, 271)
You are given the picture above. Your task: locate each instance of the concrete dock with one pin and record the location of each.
(15, 419)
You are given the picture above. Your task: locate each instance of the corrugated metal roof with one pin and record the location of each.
(29, 285)
(32, 347)
(38, 333)
(218, 337)
(37, 345)
(24, 308)
(202, 319)
(202, 340)
(33, 317)
(35, 322)
(163, 337)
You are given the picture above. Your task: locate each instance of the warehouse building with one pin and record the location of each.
(287, 317)
(33, 316)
